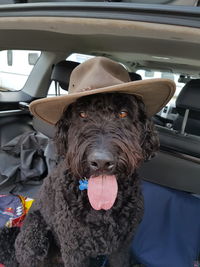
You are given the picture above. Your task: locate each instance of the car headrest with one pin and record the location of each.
(135, 76)
(189, 98)
(61, 73)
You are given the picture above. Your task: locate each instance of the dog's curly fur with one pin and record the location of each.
(62, 215)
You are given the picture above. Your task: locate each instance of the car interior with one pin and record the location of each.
(141, 47)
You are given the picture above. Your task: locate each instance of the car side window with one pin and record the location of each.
(15, 67)
(169, 111)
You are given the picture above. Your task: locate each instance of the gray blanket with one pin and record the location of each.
(27, 157)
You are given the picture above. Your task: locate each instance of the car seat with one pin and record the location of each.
(188, 108)
(61, 73)
(177, 165)
(169, 234)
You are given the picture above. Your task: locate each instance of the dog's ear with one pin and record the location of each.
(149, 137)
(61, 136)
(150, 141)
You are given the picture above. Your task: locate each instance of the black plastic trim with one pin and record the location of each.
(172, 170)
(176, 15)
(14, 112)
(10, 100)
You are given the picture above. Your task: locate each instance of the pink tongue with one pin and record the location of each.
(102, 191)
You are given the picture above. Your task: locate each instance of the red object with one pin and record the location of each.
(17, 222)
(1, 265)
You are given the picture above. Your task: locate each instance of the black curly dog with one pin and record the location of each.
(62, 229)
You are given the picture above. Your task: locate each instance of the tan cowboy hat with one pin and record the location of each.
(102, 75)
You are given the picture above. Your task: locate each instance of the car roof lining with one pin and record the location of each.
(143, 40)
(91, 25)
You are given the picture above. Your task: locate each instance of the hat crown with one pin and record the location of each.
(96, 73)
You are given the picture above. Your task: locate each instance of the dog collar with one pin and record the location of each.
(83, 184)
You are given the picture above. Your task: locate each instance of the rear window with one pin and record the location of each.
(15, 67)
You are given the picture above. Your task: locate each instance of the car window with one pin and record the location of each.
(15, 67)
(146, 74)
(169, 111)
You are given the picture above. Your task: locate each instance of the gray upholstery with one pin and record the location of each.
(173, 171)
(12, 126)
(43, 127)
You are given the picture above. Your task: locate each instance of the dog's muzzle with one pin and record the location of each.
(102, 184)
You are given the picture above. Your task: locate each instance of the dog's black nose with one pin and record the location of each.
(101, 160)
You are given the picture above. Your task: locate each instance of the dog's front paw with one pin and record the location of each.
(32, 243)
(7, 250)
(31, 249)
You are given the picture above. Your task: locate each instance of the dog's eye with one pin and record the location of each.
(123, 114)
(83, 114)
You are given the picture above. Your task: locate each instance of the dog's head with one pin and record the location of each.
(104, 138)
(105, 134)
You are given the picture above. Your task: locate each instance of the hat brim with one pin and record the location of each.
(155, 94)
